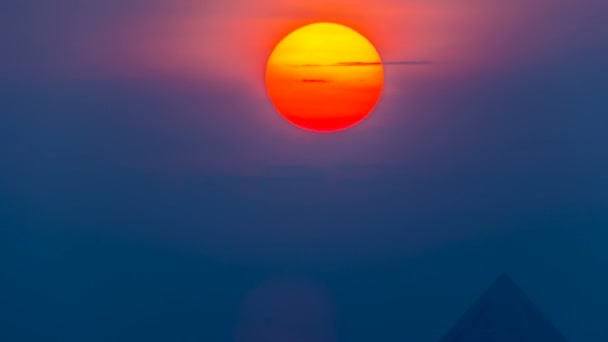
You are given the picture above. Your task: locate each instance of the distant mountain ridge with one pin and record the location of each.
(503, 313)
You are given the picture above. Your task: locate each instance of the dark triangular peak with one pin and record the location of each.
(503, 313)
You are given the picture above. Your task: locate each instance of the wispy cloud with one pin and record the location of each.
(315, 81)
(408, 63)
(349, 64)
(359, 63)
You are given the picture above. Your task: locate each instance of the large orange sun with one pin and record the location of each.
(324, 77)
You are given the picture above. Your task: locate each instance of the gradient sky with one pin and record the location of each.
(147, 183)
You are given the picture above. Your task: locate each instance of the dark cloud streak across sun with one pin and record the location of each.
(363, 64)
(306, 80)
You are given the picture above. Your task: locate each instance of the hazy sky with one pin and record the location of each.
(147, 184)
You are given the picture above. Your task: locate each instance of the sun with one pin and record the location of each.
(324, 77)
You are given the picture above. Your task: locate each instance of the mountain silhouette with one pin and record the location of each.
(503, 313)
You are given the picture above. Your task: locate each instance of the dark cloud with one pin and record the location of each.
(315, 81)
(356, 64)
(408, 62)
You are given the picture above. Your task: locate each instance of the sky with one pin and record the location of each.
(148, 187)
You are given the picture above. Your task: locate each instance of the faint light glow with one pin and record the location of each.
(287, 310)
